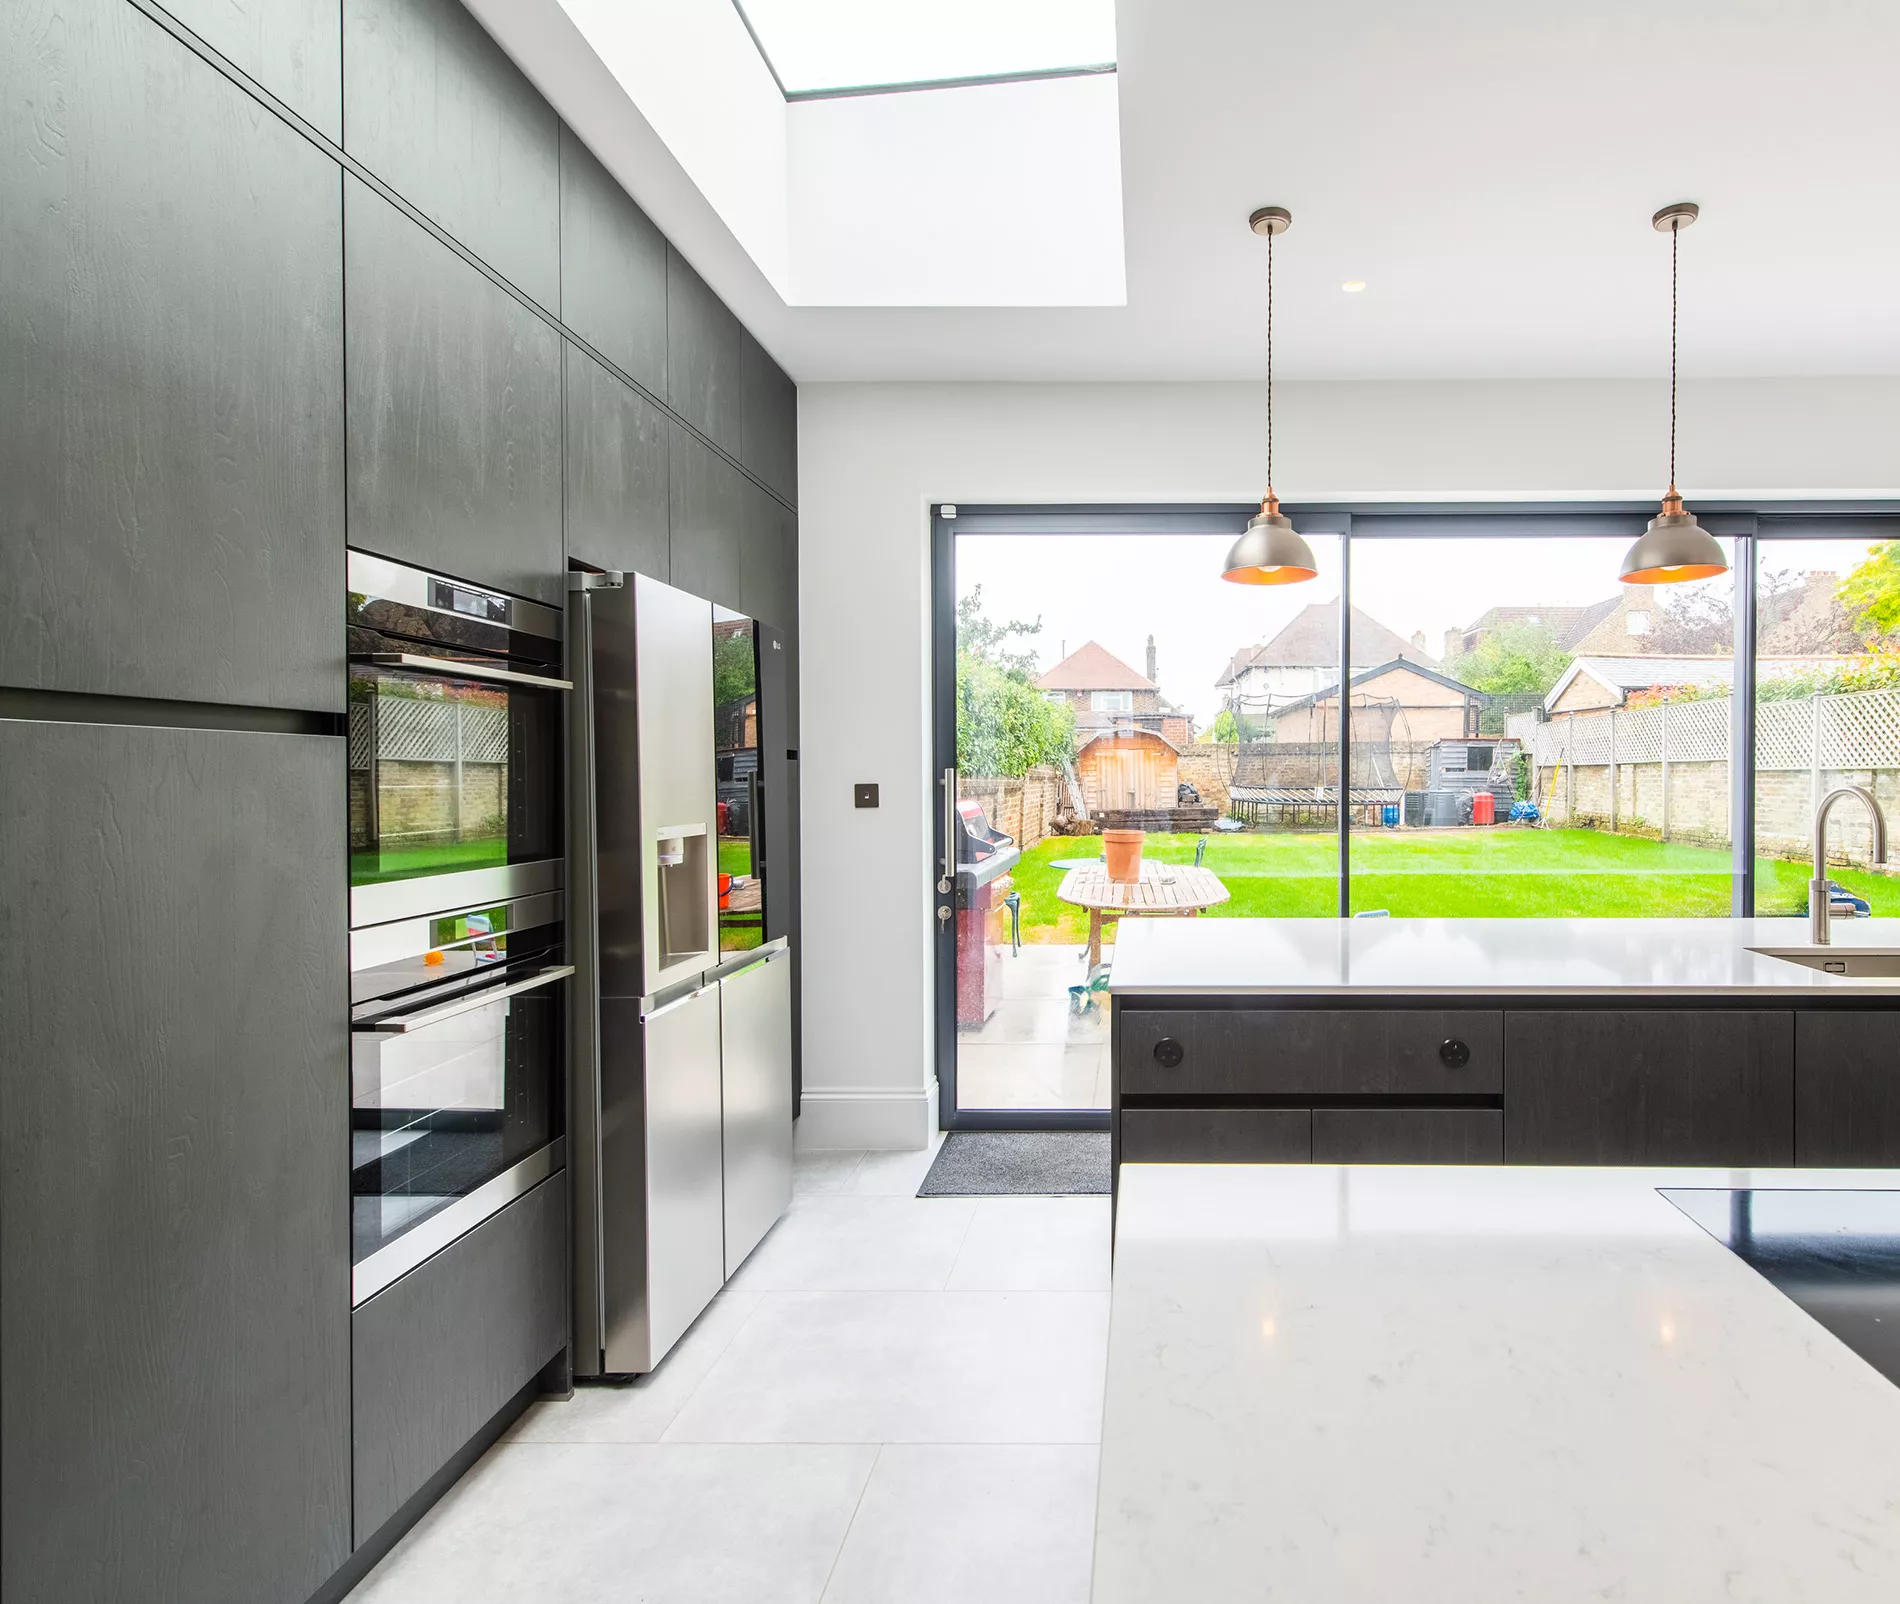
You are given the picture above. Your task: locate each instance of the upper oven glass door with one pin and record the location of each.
(455, 750)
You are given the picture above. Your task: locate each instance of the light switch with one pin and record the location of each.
(865, 796)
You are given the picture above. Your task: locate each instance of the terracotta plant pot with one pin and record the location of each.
(1124, 855)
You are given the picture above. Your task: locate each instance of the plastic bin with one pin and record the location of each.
(1484, 808)
(1389, 815)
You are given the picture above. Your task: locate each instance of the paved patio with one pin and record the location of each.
(1033, 1052)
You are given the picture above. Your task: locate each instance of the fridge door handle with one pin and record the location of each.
(692, 996)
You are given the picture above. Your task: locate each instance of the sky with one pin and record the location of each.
(1119, 589)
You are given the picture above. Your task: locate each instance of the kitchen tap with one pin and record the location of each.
(1819, 909)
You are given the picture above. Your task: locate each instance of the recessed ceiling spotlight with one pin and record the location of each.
(1353, 286)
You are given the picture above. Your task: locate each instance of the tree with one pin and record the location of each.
(1005, 726)
(1694, 621)
(1226, 728)
(735, 672)
(1517, 658)
(1871, 591)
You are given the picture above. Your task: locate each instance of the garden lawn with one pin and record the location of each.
(1500, 873)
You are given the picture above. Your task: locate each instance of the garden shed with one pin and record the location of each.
(1128, 769)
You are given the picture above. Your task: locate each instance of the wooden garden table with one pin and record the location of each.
(1176, 890)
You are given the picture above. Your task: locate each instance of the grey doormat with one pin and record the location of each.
(1019, 1164)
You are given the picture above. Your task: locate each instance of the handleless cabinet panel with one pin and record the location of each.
(1847, 1088)
(1663, 1087)
(437, 1354)
(769, 443)
(708, 502)
(617, 510)
(1325, 1051)
(1216, 1136)
(454, 412)
(613, 268)
(171, 338)
(294, 48)
(705, 357)
(174, 1182)
(436, 110)
(1408, 1136)
(768, 554)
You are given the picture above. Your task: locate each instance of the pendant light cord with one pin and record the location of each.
(1270, 239)
(1675, 239)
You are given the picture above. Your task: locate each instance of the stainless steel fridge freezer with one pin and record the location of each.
(755, 1028)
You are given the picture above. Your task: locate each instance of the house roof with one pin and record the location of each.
(1625, 674)
(1311, 640)
(1121, 731)
(1328, 692)
(1093, 668)
(1568, 623)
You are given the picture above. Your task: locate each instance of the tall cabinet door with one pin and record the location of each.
(174, 1186)
(755, 1033)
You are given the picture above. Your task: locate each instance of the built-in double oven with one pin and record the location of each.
(458, 995)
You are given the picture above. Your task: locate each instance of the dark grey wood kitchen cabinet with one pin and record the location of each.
(1362, 1052)
(293, 48)
(171, 416)
(708, 507)
(1408, 1136)
(1658, 1086)
(454, 411)
(434, 108)
(705, 357)
(613, 268)
(768, 559)
(439, 1353)
(615, 444)
(1216, 1135)
(1847, 1088)
(769, 427)
(174, 1187)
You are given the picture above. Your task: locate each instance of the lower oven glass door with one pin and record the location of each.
(453, 1090)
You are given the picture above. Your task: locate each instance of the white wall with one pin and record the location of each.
(872, 458)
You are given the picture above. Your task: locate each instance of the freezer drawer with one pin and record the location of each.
(662, 1230)
(755, 1010)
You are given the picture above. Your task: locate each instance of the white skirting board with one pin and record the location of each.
(867, 1118)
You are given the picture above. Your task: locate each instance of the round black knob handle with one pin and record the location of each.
(1454, 1054)
(1169, 1053)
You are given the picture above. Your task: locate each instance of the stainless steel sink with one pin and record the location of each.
(1865, 962)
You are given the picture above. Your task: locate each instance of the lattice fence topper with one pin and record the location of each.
(412, 731)
(1860, 730)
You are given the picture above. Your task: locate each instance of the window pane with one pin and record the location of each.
(1532, 738)
(1827, 713)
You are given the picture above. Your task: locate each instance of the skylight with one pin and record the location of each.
(818, 47)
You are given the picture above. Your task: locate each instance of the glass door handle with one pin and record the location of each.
(947, 882)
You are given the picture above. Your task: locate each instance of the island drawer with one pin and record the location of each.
(1408, 1136)
(1215, 1136)
(1318, 1051)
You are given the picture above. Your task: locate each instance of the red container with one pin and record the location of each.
(1484, 808)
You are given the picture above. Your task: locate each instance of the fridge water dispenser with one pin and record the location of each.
(685, 908)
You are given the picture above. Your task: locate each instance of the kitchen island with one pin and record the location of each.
(1518, 1041)
(1464, 1384)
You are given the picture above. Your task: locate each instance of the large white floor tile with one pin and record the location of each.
(638, 1411)
(814, 1173)
(853, 1243)
(605, 1523)
(995, 1367)
(893, 1174)
(1035, 1244)
(971, 1525)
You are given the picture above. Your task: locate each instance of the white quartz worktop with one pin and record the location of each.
(1454, 1386)
(1482, 957)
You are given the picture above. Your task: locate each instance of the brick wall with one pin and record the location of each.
(1209, 767)
(1023, 809)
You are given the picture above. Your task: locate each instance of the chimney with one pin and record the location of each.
(1151, 662)
(1454, 642)
(1418, 641)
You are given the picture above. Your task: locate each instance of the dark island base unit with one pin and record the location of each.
(1248, 1080)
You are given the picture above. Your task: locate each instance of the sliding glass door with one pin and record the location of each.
(1514, 734)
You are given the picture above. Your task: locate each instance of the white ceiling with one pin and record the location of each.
(1487, 167)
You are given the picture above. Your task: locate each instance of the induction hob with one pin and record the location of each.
(1836, 1254)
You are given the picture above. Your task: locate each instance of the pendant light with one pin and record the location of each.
(1270, 552)
(1674, 547)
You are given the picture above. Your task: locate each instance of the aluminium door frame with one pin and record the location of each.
(1746, 522)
